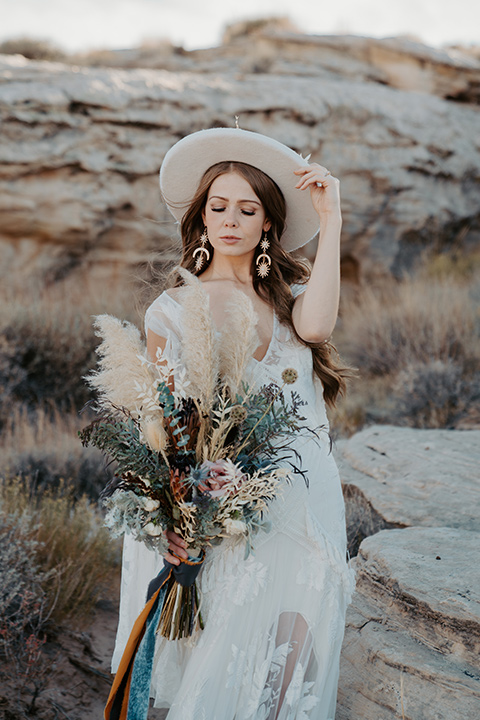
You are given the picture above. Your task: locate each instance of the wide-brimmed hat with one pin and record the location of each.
(186, 162)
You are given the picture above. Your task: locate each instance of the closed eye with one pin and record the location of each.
(244, 212)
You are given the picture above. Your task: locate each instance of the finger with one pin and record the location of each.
(307, 168)
(311, 179)
(177, 550)
(307, 176)
(175, 539)
(171, 559)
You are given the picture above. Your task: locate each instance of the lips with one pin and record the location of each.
(229, 237)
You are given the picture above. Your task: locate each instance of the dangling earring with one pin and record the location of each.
(201, 250)
(264, 261)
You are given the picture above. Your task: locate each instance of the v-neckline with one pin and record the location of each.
(219, 332)
(269, 346)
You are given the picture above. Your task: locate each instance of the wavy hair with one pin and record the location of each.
(285, 269)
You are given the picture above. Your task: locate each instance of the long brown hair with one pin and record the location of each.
(285, 269)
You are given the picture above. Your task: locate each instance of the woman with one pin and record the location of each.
(273, 622)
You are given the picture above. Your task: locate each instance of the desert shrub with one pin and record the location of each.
(43, 357)
(23, 611)
(411, 321)
(19, 571)
(32, 48)
(72, 549)
(435, 394)
(416, 344)
(44, 446)
(47, 343)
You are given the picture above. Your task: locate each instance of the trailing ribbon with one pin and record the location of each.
(130, 693)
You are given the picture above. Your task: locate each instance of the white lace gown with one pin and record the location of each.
(274, 623)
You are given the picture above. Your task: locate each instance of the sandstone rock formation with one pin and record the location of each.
(413, 636)
(398, 62)
(81, 147)
(413, 628)
(404, 477)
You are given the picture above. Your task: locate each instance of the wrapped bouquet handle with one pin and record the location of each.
(172, 606)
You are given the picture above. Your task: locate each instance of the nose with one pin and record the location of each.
(230, 218)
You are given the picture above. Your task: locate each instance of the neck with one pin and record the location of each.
(235, 269)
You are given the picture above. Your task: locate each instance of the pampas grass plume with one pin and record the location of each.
(120, 364)
(199, 352)
(238, 341)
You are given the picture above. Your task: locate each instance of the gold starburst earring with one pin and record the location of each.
(202, 252)
(264, 261)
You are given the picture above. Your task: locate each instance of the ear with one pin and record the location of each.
(267, 225)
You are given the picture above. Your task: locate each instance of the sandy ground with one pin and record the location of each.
(79, 689)
(79, 679)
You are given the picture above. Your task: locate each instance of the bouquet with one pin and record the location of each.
(197, 450)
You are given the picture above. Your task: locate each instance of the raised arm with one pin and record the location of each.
(315, 310)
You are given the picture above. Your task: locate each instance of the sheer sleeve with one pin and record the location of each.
(163, 317)
(298, 289)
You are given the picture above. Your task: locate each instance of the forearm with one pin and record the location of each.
(315, 311)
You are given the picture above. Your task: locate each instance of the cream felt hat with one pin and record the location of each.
(186, 162)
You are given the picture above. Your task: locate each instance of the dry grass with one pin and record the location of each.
(44, 446)
(47, 342)
(417, 346)
(73, 551)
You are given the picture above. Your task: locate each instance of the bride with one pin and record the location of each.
(274, 622)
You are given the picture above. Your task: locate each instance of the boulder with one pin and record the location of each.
(81, 148)
(402, 477)
(412, 638)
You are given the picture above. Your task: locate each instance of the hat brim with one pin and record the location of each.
(186, 162)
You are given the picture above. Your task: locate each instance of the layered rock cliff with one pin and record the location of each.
(397, 122)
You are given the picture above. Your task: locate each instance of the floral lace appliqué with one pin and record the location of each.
(298, 696)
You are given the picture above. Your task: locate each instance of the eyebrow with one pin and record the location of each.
(219, 197)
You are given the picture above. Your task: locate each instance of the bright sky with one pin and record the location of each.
(84, 24)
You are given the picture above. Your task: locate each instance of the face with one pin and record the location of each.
(234, 216)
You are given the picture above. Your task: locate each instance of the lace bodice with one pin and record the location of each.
(164, 317)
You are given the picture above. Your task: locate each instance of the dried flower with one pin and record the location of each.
(155, 434)
(150, 504)
(289, 376)
(153, 530)
(238, 414)
(234, 527)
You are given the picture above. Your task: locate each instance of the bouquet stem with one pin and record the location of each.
(180, 615)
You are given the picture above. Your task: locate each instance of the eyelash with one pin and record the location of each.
(244, 212)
